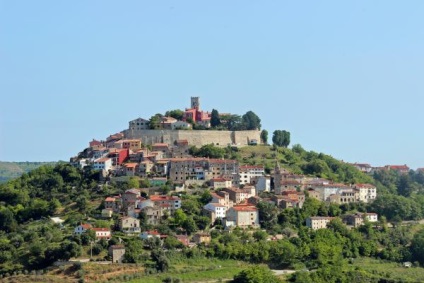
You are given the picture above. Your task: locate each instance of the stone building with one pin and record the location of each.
(117, 253)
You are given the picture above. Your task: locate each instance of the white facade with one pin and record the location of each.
(139, 124)
(242, 216)
(316, 223)
(247, 172)
(367, 193)
(262, 184)
(180, 125)
(102, 164)
(216, 208)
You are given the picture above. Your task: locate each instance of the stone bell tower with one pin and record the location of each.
(195, 102)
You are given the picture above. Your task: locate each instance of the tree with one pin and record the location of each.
(256, 274)
(189, 225)
(155, 121)
(267, 214)
(208, 150)
(7, 220)
(281, 138)
(176, 114)
(417, 247)
(264, 136)
(215, 120)
(251, 121)
(133, 182)
(234, 123)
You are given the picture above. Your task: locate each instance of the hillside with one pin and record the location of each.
(12, 170)
(30, 242)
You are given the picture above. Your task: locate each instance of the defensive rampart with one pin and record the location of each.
(195, 137)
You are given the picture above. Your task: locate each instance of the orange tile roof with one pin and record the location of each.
(244, 208)
(86, 226)
(131, 165)
(101, 229)
(364, 186)
(162, 197)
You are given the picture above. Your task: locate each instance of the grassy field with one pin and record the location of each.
(197, 271)
(390, 270)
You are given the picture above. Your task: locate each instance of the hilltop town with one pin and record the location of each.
(193, 186)
(235, 188)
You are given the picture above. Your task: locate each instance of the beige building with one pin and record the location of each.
(219, 183)
(182, 169)
(117, 253)
(202, 238)
(345, 196)
(239, 195)
(223, 198)
(357, 219)
(243, 216)
(317, 222)
(129, 224)
(367, 192)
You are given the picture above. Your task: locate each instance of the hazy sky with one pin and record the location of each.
(344, 77)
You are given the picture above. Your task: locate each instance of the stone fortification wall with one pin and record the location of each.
(194, 137)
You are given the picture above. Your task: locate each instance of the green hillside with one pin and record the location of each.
(12, 170)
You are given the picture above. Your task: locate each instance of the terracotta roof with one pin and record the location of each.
(131, 165)
(398, 167)
(153, 232)
(369, 186)
(86, 226)
(110, 199)
(104, 159)
(160, 145)
(244, 208)
(101, 229)
(163, 197)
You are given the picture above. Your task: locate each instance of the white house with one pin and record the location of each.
(102, 164)
(243, 216)
(367, 192)
(317, 222)
(215, 211)
(102, 233)
(247, 172)
(261, 183)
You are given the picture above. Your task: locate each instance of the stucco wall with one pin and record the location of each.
(194, 137)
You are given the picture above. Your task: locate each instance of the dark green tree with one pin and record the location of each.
(251, 121)
(264, 136)
(215, 120)
(155, 121)
(256, 274)
(176, 114)
(417, 247)
(281, 138)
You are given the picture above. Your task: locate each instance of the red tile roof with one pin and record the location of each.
(131, 165)
(365, 186)
(101, 229)
(162, 197)
(244, 208)
(86, 226)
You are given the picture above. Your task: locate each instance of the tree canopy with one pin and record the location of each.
(281, 138)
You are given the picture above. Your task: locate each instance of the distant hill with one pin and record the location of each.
(12, 170)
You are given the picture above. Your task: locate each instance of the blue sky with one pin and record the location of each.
(344, 77)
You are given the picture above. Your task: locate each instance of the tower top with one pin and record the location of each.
(195, 102)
